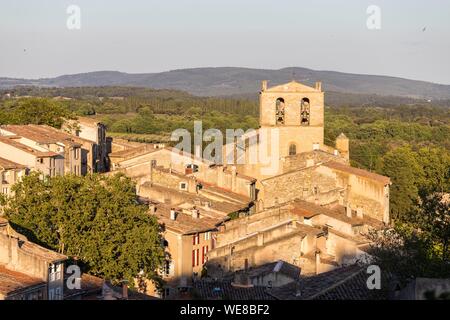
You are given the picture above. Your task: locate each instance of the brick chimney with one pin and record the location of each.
(125, 290)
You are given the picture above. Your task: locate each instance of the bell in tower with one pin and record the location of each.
(279, 113)
(304, 112)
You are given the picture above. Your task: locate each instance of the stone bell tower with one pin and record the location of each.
(297, 111)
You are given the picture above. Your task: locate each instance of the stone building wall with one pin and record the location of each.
(308, 184)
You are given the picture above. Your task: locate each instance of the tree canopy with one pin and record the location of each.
(94, 218)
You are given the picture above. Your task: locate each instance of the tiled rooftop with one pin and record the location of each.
(42, 252)
(9, 165)
(16, 144)
(280, 267)
(344, 283)
(359, 172)
(224, 290)
(11, 281)
(43, 134)
(134, 152)
(185, 223)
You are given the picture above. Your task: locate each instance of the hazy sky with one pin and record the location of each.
(151, 36)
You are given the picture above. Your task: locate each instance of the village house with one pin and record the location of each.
(35, 136)
(10, 173)
(34, 158)
(94, 131)
(27, 270)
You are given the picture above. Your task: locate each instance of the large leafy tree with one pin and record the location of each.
(34, 111)
(419, 246)
(94, 218)
(435, 162)
(402, 167)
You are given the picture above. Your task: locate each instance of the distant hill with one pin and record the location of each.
(225, 81)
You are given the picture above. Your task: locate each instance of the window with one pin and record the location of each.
(279, 111)
(205, 250)
(194, 167)
(183, 186)
(195, 257)
(51, 294)
(167, 268)
(58, 271)
(304, 112)
(195, 239)
(58, 294)
(292, 149)
(153, 163)
(207, 235)
(166, 292)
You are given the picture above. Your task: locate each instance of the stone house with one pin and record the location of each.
(10, 173)
(52, 140)
(94, 131)
(27, 270)
(35, 158)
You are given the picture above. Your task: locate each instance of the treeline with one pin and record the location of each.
(375, 132)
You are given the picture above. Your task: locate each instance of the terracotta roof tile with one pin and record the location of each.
(11, 281)
(14, 143)
(359, 172)
(8, 165)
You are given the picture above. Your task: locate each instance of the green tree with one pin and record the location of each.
(418, 247)
(35, 111)
(432, 219)
(435, 162)
(94, 218)
(402, 167)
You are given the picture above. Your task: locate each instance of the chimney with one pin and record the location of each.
(264, 85)
(107, 292)
(125, 290)
(317, 262)
(195, 213)
(348, 210)
(359, 212)
(241, 280)
(319, 86)
(173, 214)
(343, 146)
